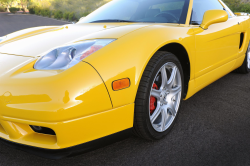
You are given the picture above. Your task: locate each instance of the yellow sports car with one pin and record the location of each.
(126, 66)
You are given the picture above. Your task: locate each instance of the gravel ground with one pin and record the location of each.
(213, 127)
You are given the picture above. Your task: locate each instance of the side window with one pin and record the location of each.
(178, 5)
(201, 6)
(174, 8)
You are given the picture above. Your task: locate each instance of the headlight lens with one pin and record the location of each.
(2, 38)
(67, 56)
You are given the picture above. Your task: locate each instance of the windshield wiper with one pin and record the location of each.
(111, 20)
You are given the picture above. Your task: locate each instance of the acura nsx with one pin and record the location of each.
(125, 67)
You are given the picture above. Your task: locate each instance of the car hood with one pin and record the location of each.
(34, 42)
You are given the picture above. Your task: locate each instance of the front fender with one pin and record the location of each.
(52, 96)
(129, 55)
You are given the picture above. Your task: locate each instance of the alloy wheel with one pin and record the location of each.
(165, 97)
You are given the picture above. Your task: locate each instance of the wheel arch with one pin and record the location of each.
(181, 53)
(128, 58)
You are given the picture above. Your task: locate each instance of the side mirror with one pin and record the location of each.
(213, 16)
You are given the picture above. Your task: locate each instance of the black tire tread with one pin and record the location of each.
(140, 128)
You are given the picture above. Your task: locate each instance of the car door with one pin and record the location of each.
(217, 46)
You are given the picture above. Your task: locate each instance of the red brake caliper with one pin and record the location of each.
(153, 100)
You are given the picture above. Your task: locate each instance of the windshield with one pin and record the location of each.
(159, 11)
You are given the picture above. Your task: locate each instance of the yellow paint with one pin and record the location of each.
(29, 34)
(189, 14)
(213, 16)
(241, 14)
(35, 97)
(79, 104)
(72, 132)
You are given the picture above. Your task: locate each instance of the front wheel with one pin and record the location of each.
(159, 96)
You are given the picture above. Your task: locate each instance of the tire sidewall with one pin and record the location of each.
(246, 59)
(165, 59)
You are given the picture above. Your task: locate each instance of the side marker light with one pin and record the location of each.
(121, 84)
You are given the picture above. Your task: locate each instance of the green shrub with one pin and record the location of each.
(32, 10)
(45, 12)
(37, 10)
(58, 14)
(72, 16)
(244, 7)
(66, 15)
(14, 9)
(2, 9)
(53, 12)
(42, 12)
(239, 6)
(85, 14)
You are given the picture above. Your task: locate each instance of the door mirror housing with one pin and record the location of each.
(213, 16)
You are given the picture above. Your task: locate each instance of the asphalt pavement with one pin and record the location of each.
(213, 127)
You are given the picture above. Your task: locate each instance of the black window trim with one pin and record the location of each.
(184, 13)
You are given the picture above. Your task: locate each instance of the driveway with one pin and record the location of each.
(13, 22)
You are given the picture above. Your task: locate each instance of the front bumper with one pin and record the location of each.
(68, 133)
(71, 151)
(74, 103)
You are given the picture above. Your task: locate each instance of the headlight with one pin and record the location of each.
(2, 38)
(68, 56)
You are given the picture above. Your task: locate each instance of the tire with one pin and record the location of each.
(156, 107)
(245, 67)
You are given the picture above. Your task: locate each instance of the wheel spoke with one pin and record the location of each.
(164, 76)
(175, 91)
(171, 109)
(167, 95)
(155, 114)
(172, 77)
(156, 93)
(164, 118)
